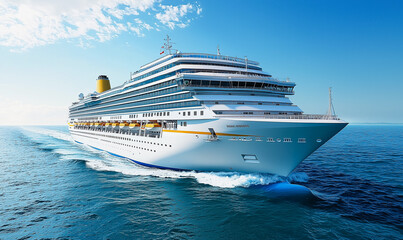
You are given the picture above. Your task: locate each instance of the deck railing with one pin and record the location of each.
(214, 56)
(285, 116)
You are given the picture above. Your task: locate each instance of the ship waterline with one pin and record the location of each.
(201, 112)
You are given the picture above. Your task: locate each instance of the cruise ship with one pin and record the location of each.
(201, 112)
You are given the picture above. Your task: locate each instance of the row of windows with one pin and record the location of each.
(139, 92)
(133, 98)
(237, 84)
(224, 65)
(194, 113)
(150, 108)
(154, 71)
(88, 118)
(257, 113)
(192, 63)
(142, 90)
(272, 140)
(124, 138)
(123, 144)
(127, 102)
(185, 95)
(185, 71)
(158, 114)
(245, 102)
(287, 140)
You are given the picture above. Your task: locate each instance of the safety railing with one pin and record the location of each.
(284, 116)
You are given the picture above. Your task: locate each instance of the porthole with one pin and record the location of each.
(318, 140)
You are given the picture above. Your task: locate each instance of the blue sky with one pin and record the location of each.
(52, 51)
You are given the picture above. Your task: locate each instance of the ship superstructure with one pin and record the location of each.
(203, 112)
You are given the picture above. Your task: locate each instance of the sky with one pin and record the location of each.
(51, 51)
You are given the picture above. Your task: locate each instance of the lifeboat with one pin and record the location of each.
(152, 125)
(134, 125)
(99, 124)
(108, 124)
(115, 124)
(122, 125)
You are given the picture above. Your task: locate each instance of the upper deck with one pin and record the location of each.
(197, 55)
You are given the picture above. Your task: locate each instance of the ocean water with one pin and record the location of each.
(53, 188)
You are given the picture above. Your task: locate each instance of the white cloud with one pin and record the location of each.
(25, 23)
(173, 16)
(199, 10)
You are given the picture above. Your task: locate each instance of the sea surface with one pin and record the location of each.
(53, 188)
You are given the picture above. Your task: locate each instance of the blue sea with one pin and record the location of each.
(53, 188)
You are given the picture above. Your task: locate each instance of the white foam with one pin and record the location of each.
(217, 179)
(298, 177)
(51, 133)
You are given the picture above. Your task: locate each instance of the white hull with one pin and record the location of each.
(262, 146)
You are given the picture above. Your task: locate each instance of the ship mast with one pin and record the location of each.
(330, 110)
(168, 45)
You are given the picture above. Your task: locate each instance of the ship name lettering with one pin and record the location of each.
(237, 126)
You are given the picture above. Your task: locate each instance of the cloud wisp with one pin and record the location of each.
(26, 24)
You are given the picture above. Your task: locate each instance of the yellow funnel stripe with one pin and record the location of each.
(103, 85)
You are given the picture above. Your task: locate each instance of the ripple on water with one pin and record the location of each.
(107, 197)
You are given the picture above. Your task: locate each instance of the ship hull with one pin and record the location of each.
(251, 146)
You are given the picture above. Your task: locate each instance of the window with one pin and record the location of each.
(167, 113)
(184, 113)
(184, 124)
(201, 113)
(195, 113)
(301, 140)
(287, 140)
(188, 113)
